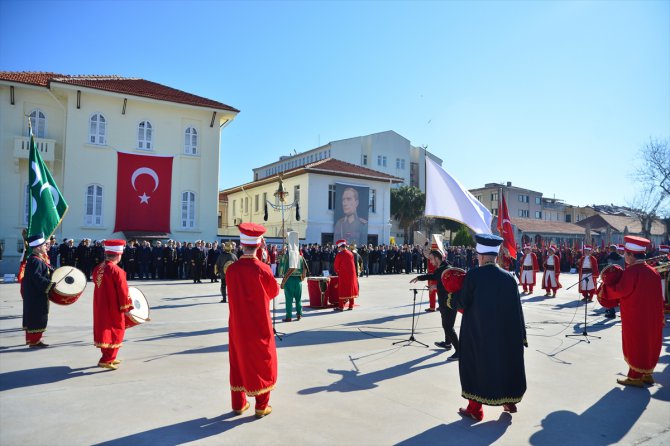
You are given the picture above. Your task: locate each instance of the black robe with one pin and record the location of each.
(492, 338)
(35, 288)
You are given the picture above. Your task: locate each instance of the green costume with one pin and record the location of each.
(292, 285)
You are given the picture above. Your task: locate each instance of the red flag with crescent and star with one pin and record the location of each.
(143, 191)
(505, 228)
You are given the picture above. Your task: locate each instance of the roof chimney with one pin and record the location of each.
(509, 184)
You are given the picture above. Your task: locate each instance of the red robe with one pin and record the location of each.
(594, 271)
(346, 271)
(638, 293)
(557, 270)
(251, 350)
(111, 301)
(536, 268)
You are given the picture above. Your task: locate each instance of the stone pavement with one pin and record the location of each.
(341, 379)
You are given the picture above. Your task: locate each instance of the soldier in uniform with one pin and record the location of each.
(170, 257)
(144, 260)
(351, 227)
(158, 267)
(197, 262)
(83, 258)
(187, 254)
(130, 260)
(212, 256)
(53, 252)
(97, 252)
(225, 259)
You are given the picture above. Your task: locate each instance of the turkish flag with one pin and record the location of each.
(505, 228)
(143, 191)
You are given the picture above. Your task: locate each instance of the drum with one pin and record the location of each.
(317, 288)
(333, 292)
(452, 279)
(610, 276)
(69, 285)
(140, 313)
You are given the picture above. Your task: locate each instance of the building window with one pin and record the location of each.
(538, 200)
(478, 197)
(494, 211)
(38, 121)
(188, 210)
(523, 198)
(400, 163)
(265, 198)
(373, 200)
(364, 160)
(494, 196)
(97, 129)
(568, 218)
(256, 203)
(538, 214)
(93, 215)
(246, 205)
(381, 160)
(524, 213)
(145, 136)
(234, 203)
(296, 193)
(331, 197)
(191, 141)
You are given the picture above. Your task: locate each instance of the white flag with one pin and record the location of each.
(447, 198)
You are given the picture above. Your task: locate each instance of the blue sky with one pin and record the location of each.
(555, 96)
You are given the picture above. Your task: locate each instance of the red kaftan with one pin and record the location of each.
(110, 301)
(584, 284)
(557, 270)
(251, 350)
(638, 292)
(345, 269)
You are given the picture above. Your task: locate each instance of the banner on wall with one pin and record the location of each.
(352, 207)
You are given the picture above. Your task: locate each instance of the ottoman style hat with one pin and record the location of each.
(36, 240)
(114, 246)
(636, 245)
(251, 234)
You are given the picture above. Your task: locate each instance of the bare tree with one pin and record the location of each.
(653, 176)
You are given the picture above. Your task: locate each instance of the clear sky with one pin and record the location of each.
(555, 96)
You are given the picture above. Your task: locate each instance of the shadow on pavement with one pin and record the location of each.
(463, 431)
(354, 380)
(185, 334)
(605, 422)
(184, 432)
(36, 377)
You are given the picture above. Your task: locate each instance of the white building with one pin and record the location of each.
(80, 122)
(314, 187)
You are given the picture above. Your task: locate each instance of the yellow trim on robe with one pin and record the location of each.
(638, 370)
(101, 345)
(488, 402)
(39, 330)
(252, 392)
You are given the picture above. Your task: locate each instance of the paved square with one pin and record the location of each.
(341, 379)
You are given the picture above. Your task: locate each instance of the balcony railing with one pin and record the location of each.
(47, 148)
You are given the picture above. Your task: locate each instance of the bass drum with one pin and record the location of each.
(140, 313)
(69, 285)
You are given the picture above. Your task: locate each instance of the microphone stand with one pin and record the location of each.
(585, 336)
(411, 338)
(274, 330)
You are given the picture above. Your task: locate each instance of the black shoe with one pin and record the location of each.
(223, 301)
(39, 345)
(430, 310)
(298, 317)
(453, 357)
(338, 309)
(443, 345)
(286, 319)
(610, 315)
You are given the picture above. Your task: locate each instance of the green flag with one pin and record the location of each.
(45, 203)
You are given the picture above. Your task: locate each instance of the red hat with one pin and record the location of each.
(553, 247)
(526, 246)
(114, 246)
(341, 242)
(589, 247)
(636, 244)
(251, 234)
(664, 248)
(620, 247)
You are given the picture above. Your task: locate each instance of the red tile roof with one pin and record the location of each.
(115, 84)
(328, 166)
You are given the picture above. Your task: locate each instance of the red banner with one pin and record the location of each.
(143, 191)
(505, 228)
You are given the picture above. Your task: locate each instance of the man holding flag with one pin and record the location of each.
(47, 208)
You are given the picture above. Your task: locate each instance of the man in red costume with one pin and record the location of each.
(111, 301)
(588, 273)
(638, 293)
(552, 269)
(529, 267)
(348, 279)
(251, 350)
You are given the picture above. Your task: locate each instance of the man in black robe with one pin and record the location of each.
(35, 288)
(493, 334)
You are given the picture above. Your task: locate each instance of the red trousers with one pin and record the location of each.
(432, 299)
(475, 408)
(634, 375)
(108, 354)
(33, 338)
(239, 400)
(343, 302)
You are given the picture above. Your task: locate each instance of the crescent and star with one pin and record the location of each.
(144, 198)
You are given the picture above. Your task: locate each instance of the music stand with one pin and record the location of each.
(584, 333)
(411, 336)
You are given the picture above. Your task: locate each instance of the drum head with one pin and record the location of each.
(69, 281)
(141, 310)
(452, 279)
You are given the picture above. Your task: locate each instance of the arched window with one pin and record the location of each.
(145, 136)
(97, 129)
(38, 121)
(188, 210)
(93, 209)
(191, 141)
